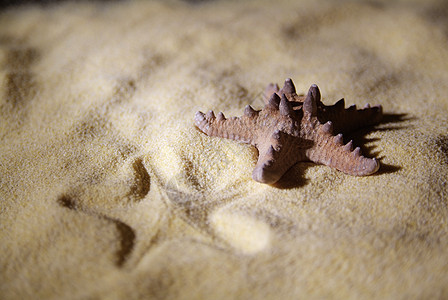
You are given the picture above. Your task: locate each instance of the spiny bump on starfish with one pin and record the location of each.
(292, 128)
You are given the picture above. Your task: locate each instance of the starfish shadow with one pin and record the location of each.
(388, 123)
(293, 178)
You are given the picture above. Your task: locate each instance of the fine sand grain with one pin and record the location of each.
(108, 191)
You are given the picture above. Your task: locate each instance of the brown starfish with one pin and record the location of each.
(292, 128)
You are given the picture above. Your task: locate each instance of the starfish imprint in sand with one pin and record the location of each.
(292, 128)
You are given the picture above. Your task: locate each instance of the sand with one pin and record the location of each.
(108, 191)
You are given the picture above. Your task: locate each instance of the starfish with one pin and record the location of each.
(292, 128)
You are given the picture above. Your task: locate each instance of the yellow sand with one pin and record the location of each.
(108, 191)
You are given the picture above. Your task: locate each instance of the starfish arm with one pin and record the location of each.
(238, 129)
(346, 120)
(277, 156)
(269, 169)
(329, 150)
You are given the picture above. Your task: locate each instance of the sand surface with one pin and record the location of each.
(108, 191)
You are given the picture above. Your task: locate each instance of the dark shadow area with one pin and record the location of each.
(127, 240)
(44, 3)
(67, 202)
(387, 124)
(396, 118)
(126, 233)
(293, 178)
(142, 184)
(442, 145)
(386, 169)
(197, 1)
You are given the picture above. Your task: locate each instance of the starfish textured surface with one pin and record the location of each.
(292, 128)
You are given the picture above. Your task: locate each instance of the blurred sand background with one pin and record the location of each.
(108, 191)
